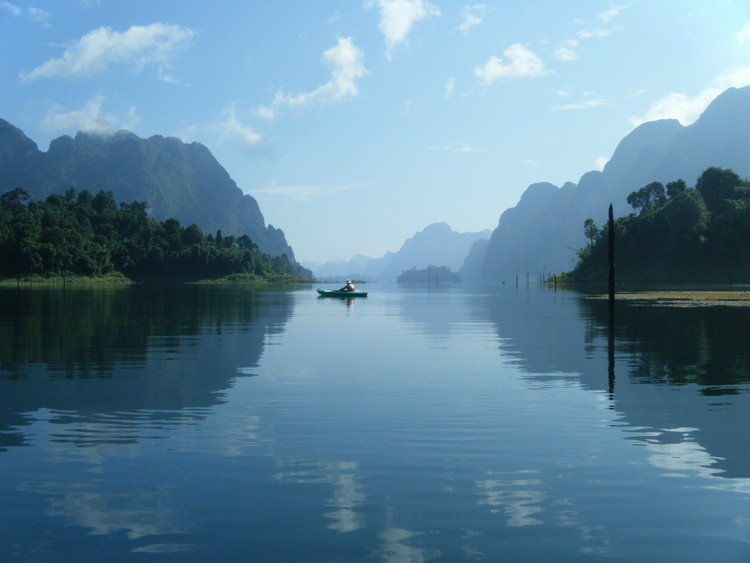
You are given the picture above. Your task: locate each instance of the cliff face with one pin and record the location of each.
(542, 232)
(178, 180)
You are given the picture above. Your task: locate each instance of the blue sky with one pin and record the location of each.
(356, 124)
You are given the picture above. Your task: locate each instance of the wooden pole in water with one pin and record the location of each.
(611, 225)
(611, 339)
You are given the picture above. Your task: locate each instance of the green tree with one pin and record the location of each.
(675, 188)
(717, 185)
(192, 235)
(648, 198)
(590, 230)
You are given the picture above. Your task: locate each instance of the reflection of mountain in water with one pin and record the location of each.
(128, 349)
(676, 369)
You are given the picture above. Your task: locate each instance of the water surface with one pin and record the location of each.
(477, 423)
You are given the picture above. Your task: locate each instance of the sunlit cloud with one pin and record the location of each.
(600, 163)
(90, 119)
(686, 109)
(397, 18)
(140, 46)
(519, 63)
(472, 17)
(300, 192)
(347, 62)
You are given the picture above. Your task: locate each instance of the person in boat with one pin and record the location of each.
(348, 287)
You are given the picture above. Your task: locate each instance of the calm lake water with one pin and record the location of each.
(469, 423)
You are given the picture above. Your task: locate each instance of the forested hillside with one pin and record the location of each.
(176, 179)
(79, 234)
(676, 234)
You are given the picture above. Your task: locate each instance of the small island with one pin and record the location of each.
(431, 275)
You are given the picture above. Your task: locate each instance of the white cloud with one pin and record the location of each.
(590, 103)
(88, 119)
(140, 46)
(608, 15)
(686, 109)
(231, 128)
(594, 33)
(744, 34)
(397, 17)
(265, 112)
(39, 15)
(12, 9)
(472, 17)
(346, 60)
(567, 51)
(520, 63)
(600, 163)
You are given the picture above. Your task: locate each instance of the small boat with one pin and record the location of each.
(338, 293)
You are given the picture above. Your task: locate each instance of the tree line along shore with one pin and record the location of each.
(79, 236)
(676, 234)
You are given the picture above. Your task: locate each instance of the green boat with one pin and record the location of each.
(338, 293)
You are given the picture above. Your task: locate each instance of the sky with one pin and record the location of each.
(357, 123)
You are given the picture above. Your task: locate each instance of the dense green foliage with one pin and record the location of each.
(78, 234)
(433, 275)
(679, 234)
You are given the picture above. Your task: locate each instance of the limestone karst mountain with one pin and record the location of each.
(542, 232)
(180, 180)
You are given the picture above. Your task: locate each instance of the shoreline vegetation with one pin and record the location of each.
(117, 279)
(677, 236)
(79, 238)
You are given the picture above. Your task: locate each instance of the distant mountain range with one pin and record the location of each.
(436, 245)
(177, 180)
(541, 233)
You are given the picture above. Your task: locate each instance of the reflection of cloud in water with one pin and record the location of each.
(520, 496)
(139, 513)
(342, 476)
(516, 497)
(393, 549)
(686, 458)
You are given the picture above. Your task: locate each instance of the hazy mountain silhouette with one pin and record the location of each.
(436, 245)
(177, 179)
(541, 233)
